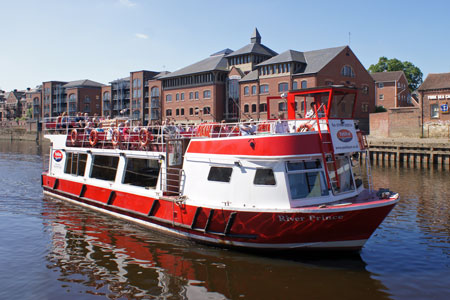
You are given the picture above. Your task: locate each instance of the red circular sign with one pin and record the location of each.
(344, 135)
(57, 155)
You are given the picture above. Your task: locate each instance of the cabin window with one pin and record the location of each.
(104, 167)
(142, 172)
(75, 164)
(264, 177)
(220, 174)
(306, 179)
(344, 173)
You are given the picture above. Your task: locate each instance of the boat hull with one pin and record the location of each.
(340, 227)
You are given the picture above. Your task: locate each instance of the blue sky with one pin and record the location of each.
(103, 40)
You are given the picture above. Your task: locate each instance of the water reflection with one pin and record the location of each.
(96, 254)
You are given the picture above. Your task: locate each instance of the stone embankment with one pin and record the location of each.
(423, 152)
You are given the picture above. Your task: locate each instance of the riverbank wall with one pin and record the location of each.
(410, 152)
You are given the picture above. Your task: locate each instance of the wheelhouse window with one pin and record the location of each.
(75, 163)
(104, 167)
(142, 172)
(344, 181)
(220, 174)
(342, 105)
(306, 179)
(264, 177)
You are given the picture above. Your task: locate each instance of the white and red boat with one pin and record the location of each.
(287, 183)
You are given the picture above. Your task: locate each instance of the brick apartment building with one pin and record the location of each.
(11, 106)
(233, 85)
(129, 96)
(71, 97)
(434, 96)
(391, 90)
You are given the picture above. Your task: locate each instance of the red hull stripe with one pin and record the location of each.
(257, 228)
(261, 146)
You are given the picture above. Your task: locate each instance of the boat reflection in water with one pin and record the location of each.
(98, 255)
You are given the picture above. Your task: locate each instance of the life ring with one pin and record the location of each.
(144, 137)
(73, 136)
(115, 138)
(93, 138)
(305, 127)
(264, 127)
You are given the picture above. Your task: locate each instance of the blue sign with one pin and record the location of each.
(444, 108)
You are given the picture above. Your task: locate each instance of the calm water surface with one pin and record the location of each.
(56, 250)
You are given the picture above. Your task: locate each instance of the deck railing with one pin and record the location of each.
(127, 134)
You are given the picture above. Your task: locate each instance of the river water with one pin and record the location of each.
(56, 250)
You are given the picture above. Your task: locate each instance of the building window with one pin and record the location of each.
(246, 108)
(347, 71)
(182, 96)
(177, 97)
(196, 95)
(168, 98)
(381, 97)
(253, 108)
(328, 82)
(282, 106)
(304, 84)
(168, 112)
(283, 87)
(177, 112)
(294, 85)
(434, 108)
(196, 111)
(263, 89)
(206, 110)
(182, 112)
(263, 107)
(191, 95)
(365, 89)
(365, 107)
(380, 85)
(253, 89)
(246, 91)
(191, 111)
(207, 94)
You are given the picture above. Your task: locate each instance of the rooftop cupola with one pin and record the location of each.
(256, 37)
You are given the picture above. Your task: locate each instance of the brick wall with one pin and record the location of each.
(398, 122)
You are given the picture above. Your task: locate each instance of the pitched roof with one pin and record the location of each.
(216, 62)
(82, 83)
(387, 76)
(252, 76)
(286, 56)
(436, 81)
(317, 59)
(255, 47)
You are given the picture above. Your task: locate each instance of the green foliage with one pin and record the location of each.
(412, 73)
(380, 109)
(30, 113)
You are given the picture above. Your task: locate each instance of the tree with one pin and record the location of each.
(412, 73)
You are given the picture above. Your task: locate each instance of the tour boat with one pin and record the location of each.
(292, 181)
